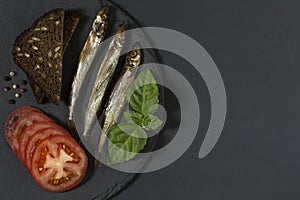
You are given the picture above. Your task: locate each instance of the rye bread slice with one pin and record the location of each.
(70, 23)
(38, 51)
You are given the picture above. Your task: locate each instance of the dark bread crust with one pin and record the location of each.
(38, 93)
(38, 51)
(70, 23)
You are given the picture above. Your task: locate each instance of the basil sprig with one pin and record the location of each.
(128, 139)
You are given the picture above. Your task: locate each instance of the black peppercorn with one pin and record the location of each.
(11, 101)
(24, 82)
(7, 78)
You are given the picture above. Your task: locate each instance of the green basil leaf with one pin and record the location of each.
(154, 124)
(126, 140)
(143, 94)
(149, 122)
(134, 117)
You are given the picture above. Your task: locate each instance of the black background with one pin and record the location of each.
(255, 45)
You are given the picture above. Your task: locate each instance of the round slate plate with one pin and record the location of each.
(16, 16)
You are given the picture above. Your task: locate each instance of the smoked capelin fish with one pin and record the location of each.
(117, 98)
(104, 76)
(87, 55)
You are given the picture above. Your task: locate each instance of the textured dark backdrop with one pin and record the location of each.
(256, 45)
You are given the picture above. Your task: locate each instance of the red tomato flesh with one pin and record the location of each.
(12, 118)
(58, 163)
(37, 137)
(28, 132)
(22, 123)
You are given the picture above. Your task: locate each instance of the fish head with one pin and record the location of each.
(100, 23)
(134, 58)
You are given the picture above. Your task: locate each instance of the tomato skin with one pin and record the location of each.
(37, 138)
(28, 132)
(13, 117)
(73, 169)
(22, 123)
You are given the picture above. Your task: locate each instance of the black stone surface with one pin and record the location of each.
(256, 46)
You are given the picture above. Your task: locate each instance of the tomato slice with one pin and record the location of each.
(58, 163)
(22, 123)
(28, 132)
(13, 117)
(36, 138)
